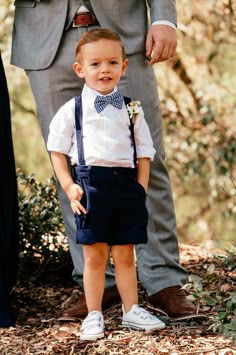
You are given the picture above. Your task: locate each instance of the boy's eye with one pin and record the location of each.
(94, 64)
(113, 62)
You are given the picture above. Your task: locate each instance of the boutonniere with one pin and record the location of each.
(134, 108)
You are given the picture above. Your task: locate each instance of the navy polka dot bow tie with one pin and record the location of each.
(115, 99)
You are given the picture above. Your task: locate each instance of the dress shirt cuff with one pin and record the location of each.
(165, 22)
(146, 152)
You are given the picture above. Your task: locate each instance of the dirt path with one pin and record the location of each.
(41, 299)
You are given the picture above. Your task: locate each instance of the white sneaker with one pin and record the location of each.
(92, 327)
(139, 318)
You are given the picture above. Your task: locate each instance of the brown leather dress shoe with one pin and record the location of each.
(111, 297)
(172, 302)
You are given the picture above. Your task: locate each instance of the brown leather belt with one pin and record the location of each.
(84, 19)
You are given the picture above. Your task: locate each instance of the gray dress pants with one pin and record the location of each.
(158, 261)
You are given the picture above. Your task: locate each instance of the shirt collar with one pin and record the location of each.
(92, 94)
(89, 95)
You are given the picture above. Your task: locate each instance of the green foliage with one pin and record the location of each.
(198, 94)
(209, 146)
(230, 261)
(41, 225)
(225, 320)
(216, 292)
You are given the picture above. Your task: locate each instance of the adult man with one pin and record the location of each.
(42, 40)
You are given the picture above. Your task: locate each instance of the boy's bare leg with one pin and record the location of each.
(95, 261)
(134, 316)
(125, 274)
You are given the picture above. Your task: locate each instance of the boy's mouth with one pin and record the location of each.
(105, 79)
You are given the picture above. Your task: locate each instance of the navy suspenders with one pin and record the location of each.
(127, 100)
(79, 129)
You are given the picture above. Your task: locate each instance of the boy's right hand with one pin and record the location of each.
(75, 193)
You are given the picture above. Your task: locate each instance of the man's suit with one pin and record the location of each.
(43, 44)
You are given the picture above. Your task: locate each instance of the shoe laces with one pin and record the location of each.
(179, 292)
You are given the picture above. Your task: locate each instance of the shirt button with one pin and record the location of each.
(115, 172)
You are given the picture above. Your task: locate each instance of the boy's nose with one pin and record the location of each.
(105, 67)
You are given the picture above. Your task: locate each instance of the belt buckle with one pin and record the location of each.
(83, 25)
(74, 25)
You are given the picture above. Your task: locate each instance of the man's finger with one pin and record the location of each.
(149, 44)
(157, 53)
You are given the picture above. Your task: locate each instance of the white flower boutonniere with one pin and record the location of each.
(134, 107)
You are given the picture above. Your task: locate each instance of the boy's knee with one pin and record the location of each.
(125, 256)
(94, 262)
(95, 257)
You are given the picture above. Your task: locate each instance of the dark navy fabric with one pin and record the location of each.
(114, 200)
(127, 100)
(115, 204)
(9, 228)
(79, 128)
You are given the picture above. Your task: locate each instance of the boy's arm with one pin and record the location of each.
(143, 168)
(73, 191)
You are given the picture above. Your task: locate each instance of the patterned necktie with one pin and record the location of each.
(115, 99)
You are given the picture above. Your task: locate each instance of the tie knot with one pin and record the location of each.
(108, 99)
(115, 99)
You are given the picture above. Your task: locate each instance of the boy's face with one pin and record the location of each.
(101, 65)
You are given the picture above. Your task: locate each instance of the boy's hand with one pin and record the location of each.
(75, 193)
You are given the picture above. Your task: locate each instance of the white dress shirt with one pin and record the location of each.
(106, 135)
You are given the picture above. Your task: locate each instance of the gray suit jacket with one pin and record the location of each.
(39, 25)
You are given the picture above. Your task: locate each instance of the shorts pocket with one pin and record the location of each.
(141, 188)
(79, 220)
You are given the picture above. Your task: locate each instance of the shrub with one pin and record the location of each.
(41, 228)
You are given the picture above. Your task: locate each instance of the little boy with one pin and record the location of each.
(108, 142)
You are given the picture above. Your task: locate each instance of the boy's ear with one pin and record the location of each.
(78, 69)
(124, 66)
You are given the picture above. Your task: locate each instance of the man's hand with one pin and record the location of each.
(161, 43)
(233, 4)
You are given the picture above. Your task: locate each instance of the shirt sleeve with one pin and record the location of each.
(166, 23)
(143, 139)
(61, 129)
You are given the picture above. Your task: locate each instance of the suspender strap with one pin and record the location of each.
(127, 100)
(79, 129)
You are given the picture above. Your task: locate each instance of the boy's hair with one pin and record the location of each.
(96, 35)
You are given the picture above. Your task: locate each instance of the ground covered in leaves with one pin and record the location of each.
(41, 296)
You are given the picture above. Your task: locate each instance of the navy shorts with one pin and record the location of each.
(115, 204)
